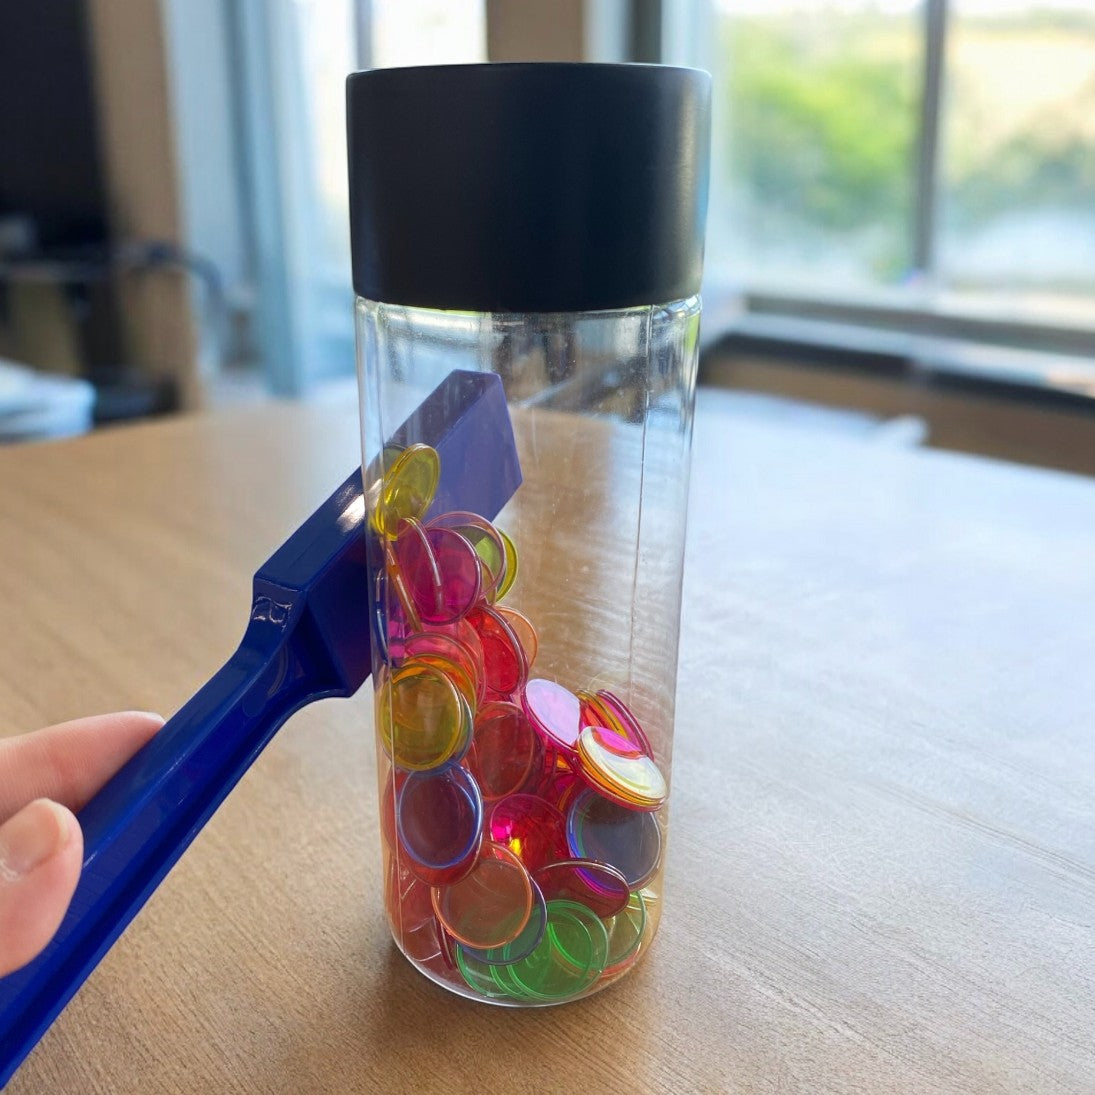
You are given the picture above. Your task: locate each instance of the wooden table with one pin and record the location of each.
(882, 864)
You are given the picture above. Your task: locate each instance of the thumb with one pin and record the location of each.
(41, 849)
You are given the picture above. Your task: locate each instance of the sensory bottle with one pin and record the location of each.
(532, 235)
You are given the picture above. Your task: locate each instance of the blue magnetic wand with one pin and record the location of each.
(308, 637)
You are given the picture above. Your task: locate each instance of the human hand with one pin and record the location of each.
(44, 777)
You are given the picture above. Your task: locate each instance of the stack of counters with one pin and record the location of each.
(615, 767)
(569, 959)
(614, 756)
(604, 709)
(517, 815)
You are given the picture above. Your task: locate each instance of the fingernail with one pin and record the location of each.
(153, 715)
(36, 833)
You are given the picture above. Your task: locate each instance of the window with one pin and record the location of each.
(1017, 166)
(818, 148)
(295, 55)
(928, 157)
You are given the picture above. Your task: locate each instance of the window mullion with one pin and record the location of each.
(925, 205)
(363, 33)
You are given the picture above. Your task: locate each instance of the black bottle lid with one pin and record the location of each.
(528, 187)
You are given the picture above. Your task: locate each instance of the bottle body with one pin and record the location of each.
(524, 661)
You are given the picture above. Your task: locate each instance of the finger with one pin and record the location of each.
(41, 848)
(70, 762)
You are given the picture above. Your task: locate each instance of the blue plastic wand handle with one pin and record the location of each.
(308, 637)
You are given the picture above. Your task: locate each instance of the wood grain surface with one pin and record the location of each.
(881, 871)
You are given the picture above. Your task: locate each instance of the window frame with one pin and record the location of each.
(923, 313)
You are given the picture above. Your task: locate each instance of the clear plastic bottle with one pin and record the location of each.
(527, 249)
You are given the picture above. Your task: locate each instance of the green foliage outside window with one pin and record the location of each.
(823, 115)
